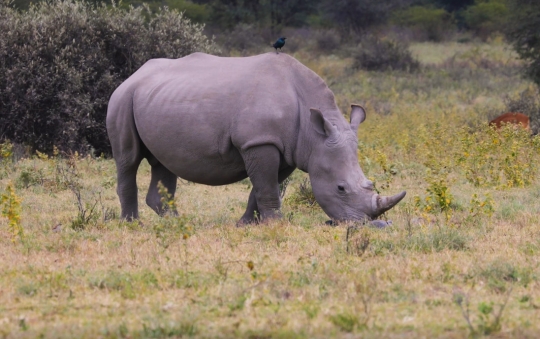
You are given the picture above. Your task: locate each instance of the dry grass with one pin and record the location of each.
(296, 277)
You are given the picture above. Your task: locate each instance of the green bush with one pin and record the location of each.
(430, 22)
(243, 38)
(193, 11)
(61, 61)
(486, 17)
(524, 33)
(353, 16)
(327, 41)
(374, 54)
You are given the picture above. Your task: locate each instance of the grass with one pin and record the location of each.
(200, 276)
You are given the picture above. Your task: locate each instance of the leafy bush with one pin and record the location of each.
(327, 41)
(374, 54)
(524, 33)
(486, 17)
(430, 22)
(244, 38)
(275, 14)
(61, 61)
(193, 11)
(353, 16)
(11, 209)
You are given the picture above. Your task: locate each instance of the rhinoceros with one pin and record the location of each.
(217, 120)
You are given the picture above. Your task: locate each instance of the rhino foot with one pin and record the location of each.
(244, 222)
(258, 219)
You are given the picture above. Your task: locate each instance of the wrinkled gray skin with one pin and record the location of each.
(216, 121)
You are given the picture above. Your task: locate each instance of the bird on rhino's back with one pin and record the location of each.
(279, 43)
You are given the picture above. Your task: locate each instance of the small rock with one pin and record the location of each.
(168, 306)
(57, 228)
(380, 223)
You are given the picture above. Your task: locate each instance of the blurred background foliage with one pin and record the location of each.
(248, 23)
(60, 60)
(349, 16)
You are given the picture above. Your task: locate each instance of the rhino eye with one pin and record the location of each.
(341, 188)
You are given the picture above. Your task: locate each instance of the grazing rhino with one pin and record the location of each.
(518, 119)
(215, 121)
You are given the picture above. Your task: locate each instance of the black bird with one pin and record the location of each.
(279, 43)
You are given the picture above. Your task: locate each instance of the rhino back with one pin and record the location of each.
(201, 111)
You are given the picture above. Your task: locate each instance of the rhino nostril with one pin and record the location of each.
(367, 184)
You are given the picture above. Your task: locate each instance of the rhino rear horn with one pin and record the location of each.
(383, 204)
(322, 125)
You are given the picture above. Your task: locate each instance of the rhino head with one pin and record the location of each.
(339, 185)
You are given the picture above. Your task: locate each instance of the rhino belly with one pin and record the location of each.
(196, 156)
(205, 170)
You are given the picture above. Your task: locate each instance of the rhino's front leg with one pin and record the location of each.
(262, 165)
(252, 210)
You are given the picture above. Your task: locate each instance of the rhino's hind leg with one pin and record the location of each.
(167, 178)
(128, 157)
(127, 188)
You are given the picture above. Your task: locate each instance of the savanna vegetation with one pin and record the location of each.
(460, 258)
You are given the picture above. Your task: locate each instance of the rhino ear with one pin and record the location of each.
(358, 115)
(321, 125)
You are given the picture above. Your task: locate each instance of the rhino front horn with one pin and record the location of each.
(383, 204)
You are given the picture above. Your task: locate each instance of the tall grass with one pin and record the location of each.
(466, 266)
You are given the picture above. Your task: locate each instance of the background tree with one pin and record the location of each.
(453, 5)
(486, 17)
(229, 13)
(291, 13)
(524, 34)
(356, 16)
(271, 13)
(426, 20)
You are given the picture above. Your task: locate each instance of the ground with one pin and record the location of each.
(460, 259)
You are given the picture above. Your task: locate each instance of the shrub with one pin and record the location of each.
(374, 54)
(486, 17)
(430, 22)
(193, 11)
(327, 41)
(61, 61)
(523, 31)
(11, 209)
(244, 38)
(358, 16)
